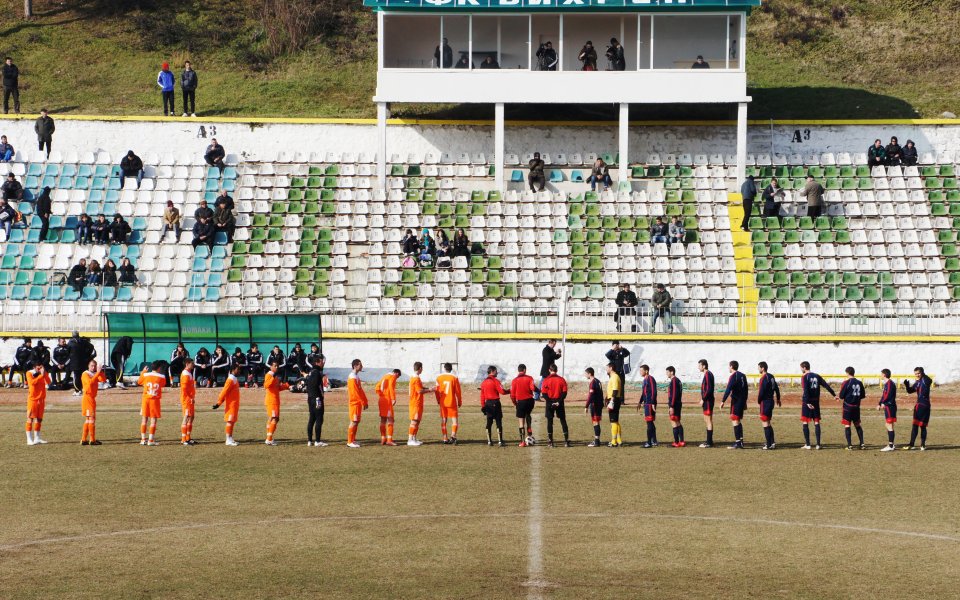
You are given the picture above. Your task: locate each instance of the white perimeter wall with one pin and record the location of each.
(473, 357)
(265, 140)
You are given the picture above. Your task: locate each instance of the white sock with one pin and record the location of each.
(29, 436)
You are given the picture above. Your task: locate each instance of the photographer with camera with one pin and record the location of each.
(547, 57)
(615, 56)
(588, 56)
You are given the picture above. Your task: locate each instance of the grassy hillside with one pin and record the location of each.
(808, 59)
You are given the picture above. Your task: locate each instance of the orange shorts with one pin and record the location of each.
(35, 409)
(231, 410)
(189, 408)
(416, 410)
(386, 409)
(356, 409)
(88, 407)
(273, 410)
(449, 412)
(150, 408)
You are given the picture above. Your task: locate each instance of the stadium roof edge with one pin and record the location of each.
(553, 6)
(485, 122)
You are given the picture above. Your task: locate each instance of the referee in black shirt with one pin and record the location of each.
(315, 382)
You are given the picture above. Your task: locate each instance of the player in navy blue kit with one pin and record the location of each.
(811, 384)
(648, 401)
(852, 393)
(706, 400)
(737, 391)
(594, 405)
(888, 404)
(768, 393)
(675, 404)
(921, 411)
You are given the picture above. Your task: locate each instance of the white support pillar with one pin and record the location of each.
(499, 147)
(741, 142)
(624, 139)
(382, 111)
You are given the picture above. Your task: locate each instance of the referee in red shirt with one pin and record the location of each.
(490, 392)
(554, 391)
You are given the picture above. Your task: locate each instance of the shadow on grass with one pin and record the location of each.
(62, 109)
(827, 103)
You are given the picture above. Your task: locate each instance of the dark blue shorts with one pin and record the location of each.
(808, 414)
(921, 415)
(737, 409)
(766, 410)
(851, 415)
(648, 413)
(707, 406)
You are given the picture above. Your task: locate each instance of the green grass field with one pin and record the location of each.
(470, 521)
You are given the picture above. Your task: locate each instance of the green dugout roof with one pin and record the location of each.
(578, 6)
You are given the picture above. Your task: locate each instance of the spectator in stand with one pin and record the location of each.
(463, 63)
(60, 360)
(11, 86)
(410, 245)
(659, 232)
(700, 63)
(101, 230)
(773, 196)
(910, 157)
(428, 246)
(84, 229)
(443, 59)
(21, 362)
(536, 178)
(77, 278)
(8, 216)
(204, 233)
(201, 366)
(12, 189)
(165, 82)
(110, 278)
(661, 309)
(215, 155)
(276, 357)
(443, 244)
(131, 166)
(547, 59)
(626, 308)
(177, 361)
(44, 128)
(119, 229)
(203, 211)
(219, 365)
(94, 274)
(188, 86)
(224, 221)
(677, 231)
(876, 154)
(616, 59)
(461, 244)
(599, 173)
(171, 222)
(226, 198)
(894, 153)
(588, 57)
(44, 208)
(128, 273)
(813, 192)
(296, 363)
(748, 191)
(489, 63)
(6, 150)
(255, 367)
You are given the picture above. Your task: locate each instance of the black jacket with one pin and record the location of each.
(297, 358)
(44, 204)
(61, 356)
(550, 357)
(213, 154)
(12, 190)
(131, 163)
(617, 358)
(77, 274)
(110, 276)
(255, 359)
(119, 230)
(204, 231)
(749, 189)
(41, 356)
(23, 356)
(123, 348)
(11, 77)
(189, 80)
(626, 299)
(44, 128)
(203, 211)
(275, 358)
(81, 353)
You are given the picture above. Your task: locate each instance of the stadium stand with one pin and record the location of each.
(313, 234)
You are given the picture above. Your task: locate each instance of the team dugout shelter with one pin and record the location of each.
(485, 52)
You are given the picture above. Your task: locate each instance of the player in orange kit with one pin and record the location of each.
(273, 386)
(90, 381)
(387, 393)
(450, 399)
(153, 382)
(357, 401)
(417, 392)
(229, 398)
(188, 395)
(37, 381)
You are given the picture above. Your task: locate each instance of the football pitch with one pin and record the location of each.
(125, 521)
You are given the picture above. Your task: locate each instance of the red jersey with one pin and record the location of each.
(522, 388)
(554, 388)
(491, 389)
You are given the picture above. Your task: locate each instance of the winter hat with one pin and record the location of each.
(166, 66)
